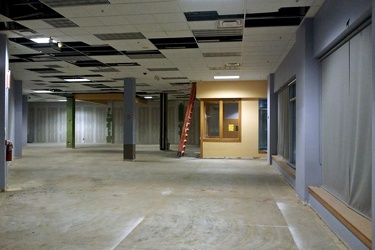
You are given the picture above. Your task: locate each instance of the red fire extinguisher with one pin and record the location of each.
(9, 150)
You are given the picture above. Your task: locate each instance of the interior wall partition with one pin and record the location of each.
(346, 122)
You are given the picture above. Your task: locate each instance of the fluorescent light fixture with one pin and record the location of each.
(62, 100)
(226, 77)
(42, 91)
(77, 80)
(43, 40)
(148, 97)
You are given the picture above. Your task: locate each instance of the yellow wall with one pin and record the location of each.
(234, 89)
(249, 92)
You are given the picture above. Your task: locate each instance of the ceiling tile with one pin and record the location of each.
(175, 26)
(141, 19)
(76, 11)
(170, 18)
(132, 8)
(86, 21)
(148, 27)
(102, 10)
(113, 20)
(163, 7)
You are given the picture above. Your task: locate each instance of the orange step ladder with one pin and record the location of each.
(186, 126)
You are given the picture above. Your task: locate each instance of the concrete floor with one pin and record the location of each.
(89, 198)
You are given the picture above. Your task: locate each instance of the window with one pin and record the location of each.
(221, 120)
(262, 125)
(292, 122)
(286, 138)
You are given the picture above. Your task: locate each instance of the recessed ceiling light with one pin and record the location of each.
(42, 91)
(148, 97)
(62, 100)
(77, 80)
(43, 40)
(226, 77)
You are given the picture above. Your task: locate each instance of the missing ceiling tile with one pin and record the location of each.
(65, 3)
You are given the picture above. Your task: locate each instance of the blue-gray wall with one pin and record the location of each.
(334, 21)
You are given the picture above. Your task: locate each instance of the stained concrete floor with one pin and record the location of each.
(89, 198)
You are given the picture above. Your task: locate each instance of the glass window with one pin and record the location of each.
(263, 125)
(212, 124)
(221, 120)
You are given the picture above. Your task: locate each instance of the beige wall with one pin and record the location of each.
(249, 92)
(239, 89)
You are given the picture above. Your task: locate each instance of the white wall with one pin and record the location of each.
(47, 123)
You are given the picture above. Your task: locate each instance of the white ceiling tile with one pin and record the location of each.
(121, 29)
(50, 32)
(155, 34)
(89, 39)
(35, 24)
(141, 19)
(141, 44)
(148, 27)
(186, 33)
(170, 18)
(163, 7)
(203, 25)
(86, 21)
(175, 26)
(132, 8)
(102, 10)
(4, 19)
(113, 20)
(196, 5)
(97, 29)
(74, 31)
(76, 11)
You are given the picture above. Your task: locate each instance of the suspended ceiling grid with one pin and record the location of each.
(165, 45)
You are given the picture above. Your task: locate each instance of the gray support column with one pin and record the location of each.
(70, 122)
(3, 110)
(373, 123)
(164, 121)
(18, 124)
(272, 119)
(129, 118)
(309, 169)
(25, 111)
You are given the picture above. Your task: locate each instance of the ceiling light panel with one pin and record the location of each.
(65, 3)
(120, 36)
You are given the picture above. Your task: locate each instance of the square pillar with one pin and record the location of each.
(70, 122)
(129, 118)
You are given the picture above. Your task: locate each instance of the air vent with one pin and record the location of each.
(105, 70)
(174, 78)
(163, 69)
(225, 68)
(222, 54)
(64, 3)
(60, 23)
(225, 24)
(120, 36)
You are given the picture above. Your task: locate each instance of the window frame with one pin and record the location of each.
(221, 120)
